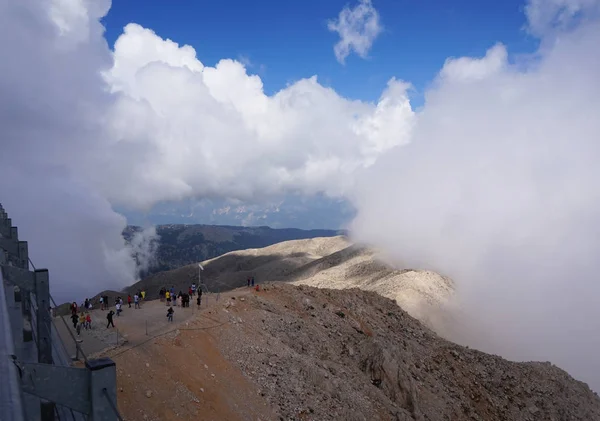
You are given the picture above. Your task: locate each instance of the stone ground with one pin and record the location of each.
(301, 353)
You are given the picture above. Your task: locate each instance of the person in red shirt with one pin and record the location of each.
(129, 300)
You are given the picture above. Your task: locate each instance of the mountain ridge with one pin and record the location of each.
(183, 244)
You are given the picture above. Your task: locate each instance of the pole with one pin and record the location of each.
(103, 390)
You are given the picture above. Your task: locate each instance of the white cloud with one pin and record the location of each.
(357, 27)
(498, 189)
(196, 130)
(546, 16)
(74, 18)
(151, 123)
(469, 69)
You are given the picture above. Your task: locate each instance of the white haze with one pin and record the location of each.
(499, 189)
(496, 188)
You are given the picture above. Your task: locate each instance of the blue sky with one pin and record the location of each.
(288, 40)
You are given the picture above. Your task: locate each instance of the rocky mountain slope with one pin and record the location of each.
(302, 353)
(181, 245)
(232, 269)
(330, 262)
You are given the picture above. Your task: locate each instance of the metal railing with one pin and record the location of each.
(38, 379)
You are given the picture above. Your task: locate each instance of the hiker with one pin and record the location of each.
(106, 305)
(193, 289)
(248, 282)
(198, 300)
(88, 321)
(101, 303)
(190, 290)
(80, 324)
(118, 309)
(86, 303)
(161, 294)
(136, 300)
(129, 300)
(168, 297)
(253, 281)
(143, 293)
(109, 317)
(74, 319)
(73, 308)
(81, 320)
(170, 312)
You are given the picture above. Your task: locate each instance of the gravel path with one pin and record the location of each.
(132, 327)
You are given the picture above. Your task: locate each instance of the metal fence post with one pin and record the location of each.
(103, 389)
(23, 255)
(44, 321)
(43, 331)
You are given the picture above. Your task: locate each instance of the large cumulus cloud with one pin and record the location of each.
(92, 128)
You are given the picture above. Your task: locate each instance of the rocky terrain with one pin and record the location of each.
(300, 353)
(328, 262)
(181, 245)
(232, 269)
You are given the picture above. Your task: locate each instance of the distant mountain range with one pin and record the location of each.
(181, 245)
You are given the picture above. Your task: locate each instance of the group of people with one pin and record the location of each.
(181, 299)
(81, 317)
(87, 304)
(136, 299)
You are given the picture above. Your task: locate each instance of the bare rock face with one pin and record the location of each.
(318, 354)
